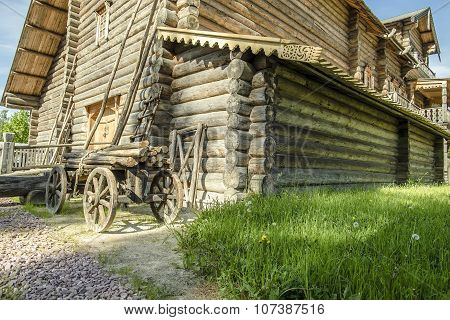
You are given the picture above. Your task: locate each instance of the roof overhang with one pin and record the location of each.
(44, 28)
(425, 25)
(302, 57)
(283, 49)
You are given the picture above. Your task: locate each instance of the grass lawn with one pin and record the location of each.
(386, 243)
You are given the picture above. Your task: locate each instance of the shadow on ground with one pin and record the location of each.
(137, 242)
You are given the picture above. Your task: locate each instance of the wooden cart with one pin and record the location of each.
(105, 181)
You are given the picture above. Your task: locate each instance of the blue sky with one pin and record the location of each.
(11, 22)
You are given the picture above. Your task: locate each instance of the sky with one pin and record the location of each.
(12, 16)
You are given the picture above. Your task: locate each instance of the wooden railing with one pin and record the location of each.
(18, 157)
(30, 157)
(404, 102)
(435, 115)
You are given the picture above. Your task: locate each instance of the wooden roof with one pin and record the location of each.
(45, 25)
(425, 25)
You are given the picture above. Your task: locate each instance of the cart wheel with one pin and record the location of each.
(100, 199)
(56, 190)
(166, 191)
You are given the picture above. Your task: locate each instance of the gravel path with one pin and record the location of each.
(40, 266)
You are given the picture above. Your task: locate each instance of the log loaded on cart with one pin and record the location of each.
(134, 172)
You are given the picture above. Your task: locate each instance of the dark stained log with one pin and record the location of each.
(20, 186)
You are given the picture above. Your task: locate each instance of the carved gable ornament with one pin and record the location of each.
(284, 49)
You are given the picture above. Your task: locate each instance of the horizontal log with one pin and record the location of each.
(20, 186)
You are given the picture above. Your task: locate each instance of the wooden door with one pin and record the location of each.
(108, 124)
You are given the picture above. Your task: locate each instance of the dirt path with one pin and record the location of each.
(136, 247)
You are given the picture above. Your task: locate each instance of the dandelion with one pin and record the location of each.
(264, 239)
(356, 224)
(415, 237)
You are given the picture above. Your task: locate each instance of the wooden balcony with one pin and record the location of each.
(435, 115)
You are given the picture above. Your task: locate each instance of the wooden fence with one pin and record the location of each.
(14, 157)
(19, 157)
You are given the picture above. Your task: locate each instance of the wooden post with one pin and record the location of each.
(7, 153)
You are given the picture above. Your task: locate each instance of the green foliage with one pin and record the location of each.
(386, 243)
(18, 124)
(37, 210)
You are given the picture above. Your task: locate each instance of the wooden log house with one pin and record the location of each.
(293, 93)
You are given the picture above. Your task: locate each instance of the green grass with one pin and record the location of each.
(323, 244)
(69, 208)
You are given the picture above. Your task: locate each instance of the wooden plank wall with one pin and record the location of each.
(325, 137)
(422, 155)
(321, 23)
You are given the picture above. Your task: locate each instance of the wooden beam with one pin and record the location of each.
(23, 96)
(49, 32)
(36, 53)
(29, 75)
(50, 6)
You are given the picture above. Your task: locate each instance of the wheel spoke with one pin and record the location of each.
(100, 182)
(102, 215)
(104, 192)
(105, 203)
(160, 205)
(89, 210)
(170, 205)
(96, 214)
(95, 184)
(58, 193)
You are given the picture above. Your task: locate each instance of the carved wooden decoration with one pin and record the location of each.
(284, 49)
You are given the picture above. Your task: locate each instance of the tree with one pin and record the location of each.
(18, 123)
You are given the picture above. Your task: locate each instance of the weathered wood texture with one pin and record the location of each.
(200, 93)
(306, 21)
(326, 137)
(422, 155)
(17, 186)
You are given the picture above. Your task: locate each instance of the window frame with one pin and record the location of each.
(102, 13)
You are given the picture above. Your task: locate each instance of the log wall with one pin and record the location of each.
(324, 137)
(201, 91)
(422, 155)
(96, 62)
(321, 23)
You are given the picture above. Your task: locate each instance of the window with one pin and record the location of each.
(102, 16)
